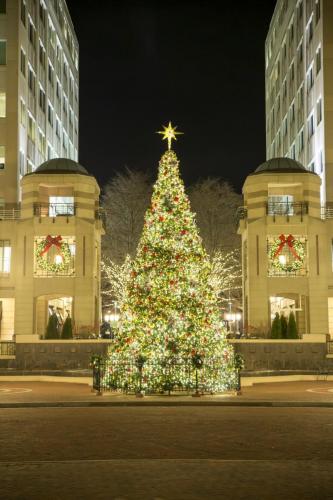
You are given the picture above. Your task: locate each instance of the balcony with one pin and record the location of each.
(9, 213)
(55, 209)
(288, 209)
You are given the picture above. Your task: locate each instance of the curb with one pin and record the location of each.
(106, 404)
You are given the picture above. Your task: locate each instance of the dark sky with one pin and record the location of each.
(199, 65)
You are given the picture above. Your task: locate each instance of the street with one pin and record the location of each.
(166, 453)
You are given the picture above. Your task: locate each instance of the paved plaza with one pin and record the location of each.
(166, 452)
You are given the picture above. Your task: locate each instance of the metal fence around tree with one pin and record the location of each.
(163, 376)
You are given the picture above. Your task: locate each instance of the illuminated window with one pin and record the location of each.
(60, 254)
(23, 12)
(2, 104)
(319, 111)
(5, 254)
(281, 204)
(61, 205)
(2, 157)
(22, 62)
(318, 60)
(22, 113)
(3, 57)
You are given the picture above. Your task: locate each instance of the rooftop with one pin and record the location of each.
(281, 165)
(60, 166)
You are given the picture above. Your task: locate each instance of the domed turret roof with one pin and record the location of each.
(281, 165)
(61, 166)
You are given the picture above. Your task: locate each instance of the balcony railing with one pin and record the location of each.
(7, 348)
(287, 208)
(55, 209)
(9, 213)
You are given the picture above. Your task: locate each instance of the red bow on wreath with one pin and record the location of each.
(287, 241)
(49, 241)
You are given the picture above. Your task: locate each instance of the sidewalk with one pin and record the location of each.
(55, 394)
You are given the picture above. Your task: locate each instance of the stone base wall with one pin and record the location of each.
(279, 355)
(58, 355)
(259, 355)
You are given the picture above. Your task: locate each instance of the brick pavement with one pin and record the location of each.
(307, 393)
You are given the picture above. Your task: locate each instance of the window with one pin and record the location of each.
(42, 99)
(58, 90)
(318, 60)
(53, 256)
(300, 54)
(65, 70)
(281, 204)
(3, 57)
(310, 127)
(31, 80)
(2, 157)
(32, 34)
(61, 205)
(65, 105)
(41, 142)
(50, 114)
(31, 127)
(2, 6)
(5, 254)
(310, 79)
(301, 141)
(319, 111)
(58, 128)
(2, 104)
(22, 163)
(22, 113)
(310, 31)
(23, 59)
(292, 113)
(285, 126)
(311, 167)
(293, 152)
(42, 12)
(51, 74)
(42, 55)
(23, 12)
(284, 263)
(317, 10)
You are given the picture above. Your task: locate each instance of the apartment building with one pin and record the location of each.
(39, 90)
(299, 87)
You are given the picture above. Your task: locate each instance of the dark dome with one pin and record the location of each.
(281, 165)
(61, 166)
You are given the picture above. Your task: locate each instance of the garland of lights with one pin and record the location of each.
(44, 246)
(297, 249)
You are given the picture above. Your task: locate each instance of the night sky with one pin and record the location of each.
(199, 65)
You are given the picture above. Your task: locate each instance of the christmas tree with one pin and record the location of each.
(170, 311)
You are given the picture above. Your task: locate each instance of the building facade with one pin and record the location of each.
(287, 249)
(39, 107)
(299, 87)
(50, 253)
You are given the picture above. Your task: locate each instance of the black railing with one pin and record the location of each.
(7, 348)
(164, 376)
(287, 208)
(330, 347)
(241, 213)
(55, 209)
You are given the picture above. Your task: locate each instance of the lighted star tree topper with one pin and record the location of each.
(170, 316)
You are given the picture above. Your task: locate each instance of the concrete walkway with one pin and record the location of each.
(56, 394)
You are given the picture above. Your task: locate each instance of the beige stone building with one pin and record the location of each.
(39, 106)
(299, 87)
(50, 252)
(287, 249)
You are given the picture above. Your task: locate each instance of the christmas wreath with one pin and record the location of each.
(297, 249)
(63, 250)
